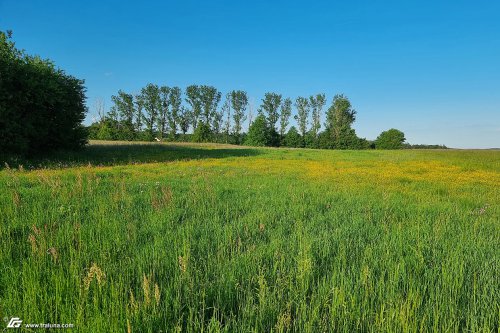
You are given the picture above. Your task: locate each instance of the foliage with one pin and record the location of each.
(150, 97)
(293, 138)
(210, 98)
(239, 102)
(193, 98)
(317, 103)
(303, 109)
(338, 133)
(226, 112)
(175, 115)
(158, 110)
(259, 133)
(202, 133)
(124, 109)
(270, 107)
(185, 118)
(41, 107)
(164, 111)
(286, 112)
(390, 139)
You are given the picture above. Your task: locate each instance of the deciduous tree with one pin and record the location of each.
(270, 106)
(302, 106)
(317, 103)
(286, 112)
(150, 96)
(175, 99)
(193, 98)
(210, 98)
(259, 133)
(390, 139)
(164, 111)
(239, 102)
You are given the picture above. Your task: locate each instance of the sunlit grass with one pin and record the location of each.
(217, 238)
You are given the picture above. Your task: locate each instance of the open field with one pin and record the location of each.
(163, 237)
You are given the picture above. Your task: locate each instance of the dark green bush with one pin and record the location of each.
(41, 107)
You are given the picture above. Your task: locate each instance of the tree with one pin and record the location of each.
(202, 133)
(317, 103)
(164, 111)
(292, 138)
(124, 110)
(124, 106)
(270, 105)
(286, 112)
(217, 122)
(175, 99)
(194, 100)
(185, 118)
(139, 117)
(226, 110)
(339, 118)
(100, 108)
(302, 105)
(259, 133)
(239, 102)
(41, 107)
(210, 98)
(390, 139)
(150, 96)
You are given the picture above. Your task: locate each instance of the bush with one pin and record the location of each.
(391, 139)
(202, 133)
(293, 138)
(259, 134)
(41, 107)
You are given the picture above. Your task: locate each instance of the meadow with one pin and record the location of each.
(205, 238)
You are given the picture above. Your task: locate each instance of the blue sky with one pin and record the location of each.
(428, 68)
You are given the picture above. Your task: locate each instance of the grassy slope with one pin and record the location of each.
(165, 237)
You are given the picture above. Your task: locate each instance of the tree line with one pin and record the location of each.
(42, 109)
(200, 113)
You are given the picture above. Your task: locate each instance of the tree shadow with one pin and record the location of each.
(112, 154)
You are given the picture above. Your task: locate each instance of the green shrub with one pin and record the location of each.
(391, 139)
(41, 107)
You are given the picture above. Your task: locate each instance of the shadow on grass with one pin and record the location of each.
(111, 154)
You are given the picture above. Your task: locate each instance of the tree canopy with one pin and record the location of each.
(390, 139)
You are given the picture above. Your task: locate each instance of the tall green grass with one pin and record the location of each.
(213, 238)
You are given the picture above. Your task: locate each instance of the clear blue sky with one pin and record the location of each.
(428, 68)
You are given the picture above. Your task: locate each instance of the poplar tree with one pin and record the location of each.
(239, 102)
(302, 105)
(150, 96)
(270, 105)
(286, 112)
(193, 98)
(175, 100)
(317, 103)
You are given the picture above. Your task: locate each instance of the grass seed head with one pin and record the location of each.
(94, 273)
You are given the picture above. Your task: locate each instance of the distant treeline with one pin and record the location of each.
(198, 114)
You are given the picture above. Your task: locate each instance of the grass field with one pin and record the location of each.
(206, 238)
